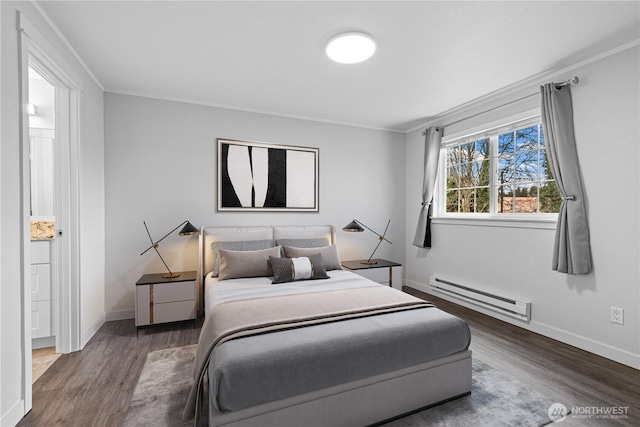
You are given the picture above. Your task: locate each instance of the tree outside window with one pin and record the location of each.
(522, 179)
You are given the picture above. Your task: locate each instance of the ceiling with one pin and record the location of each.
(269, 56)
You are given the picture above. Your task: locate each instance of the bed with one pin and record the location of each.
(336, 351)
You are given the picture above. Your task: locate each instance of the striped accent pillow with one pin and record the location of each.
(302, 268)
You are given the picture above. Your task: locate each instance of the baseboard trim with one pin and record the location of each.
(587, 344)
(91, 331)
(45, 342)
(14, 415)
(119, 315)
(583, 343)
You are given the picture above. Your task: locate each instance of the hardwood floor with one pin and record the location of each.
(94, 387)
(570, 376)
(41, 360)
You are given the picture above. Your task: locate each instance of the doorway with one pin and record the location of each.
(64, 251)
(53, 197)
(42, 118)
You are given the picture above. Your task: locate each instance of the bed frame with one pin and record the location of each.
(365, 402)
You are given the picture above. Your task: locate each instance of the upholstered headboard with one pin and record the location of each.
(236, 234)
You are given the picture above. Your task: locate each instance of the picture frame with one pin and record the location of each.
(263, 177)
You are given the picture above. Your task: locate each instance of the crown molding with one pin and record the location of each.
(249, 110)
(521, 85)
(68, 45)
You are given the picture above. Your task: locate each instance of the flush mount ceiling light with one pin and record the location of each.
(351, 48)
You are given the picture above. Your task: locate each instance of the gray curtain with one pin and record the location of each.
(572, 251)
(432, 140)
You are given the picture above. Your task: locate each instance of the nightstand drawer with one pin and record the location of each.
(161, 299)
(171, 292)
(380, 275)
(174, 311)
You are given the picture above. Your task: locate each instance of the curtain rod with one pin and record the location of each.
(571, 82)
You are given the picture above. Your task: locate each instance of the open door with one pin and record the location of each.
(35, 52)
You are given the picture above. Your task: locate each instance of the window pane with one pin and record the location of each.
(550, 197)
(527, 138)
(480, 173)
(466, 199)
(453, 178)
(506, 159)
(453, 155)
(471, 174)
(521, 170)
(505, 172)
(470, 151)
(505, 145)
(465, 150)
(452, 201)
(505, 199)
(545, 167)
(482, 149)
(466, 175)
(482, 200)
(525, 204)
(526, 166)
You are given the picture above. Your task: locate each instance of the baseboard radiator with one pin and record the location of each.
(507, 306)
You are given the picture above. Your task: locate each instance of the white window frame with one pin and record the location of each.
(492, 219)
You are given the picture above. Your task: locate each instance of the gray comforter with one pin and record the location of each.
(248, 371)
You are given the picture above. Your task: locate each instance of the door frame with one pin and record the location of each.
(33, 48)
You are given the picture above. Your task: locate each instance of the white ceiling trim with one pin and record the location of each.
(519, 86)
(66, 43)
(249, 110)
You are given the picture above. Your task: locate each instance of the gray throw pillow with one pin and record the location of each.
(329, 254)
(245, 245)
(237, 264)
(302, 268)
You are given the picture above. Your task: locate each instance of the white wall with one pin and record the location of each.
(43, 95)
(12, 392)
(92, 211)
(160, 159)
(517, 261)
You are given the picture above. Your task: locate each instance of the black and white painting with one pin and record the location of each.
(254, 176)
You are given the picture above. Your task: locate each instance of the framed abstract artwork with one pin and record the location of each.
(256, 176)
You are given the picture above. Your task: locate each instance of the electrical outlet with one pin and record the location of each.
(617, 315)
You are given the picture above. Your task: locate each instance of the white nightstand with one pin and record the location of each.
(162, 300)
(385, 272)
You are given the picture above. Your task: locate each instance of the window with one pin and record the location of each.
(504, 171)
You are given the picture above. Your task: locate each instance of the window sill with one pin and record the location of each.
(546, 223)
